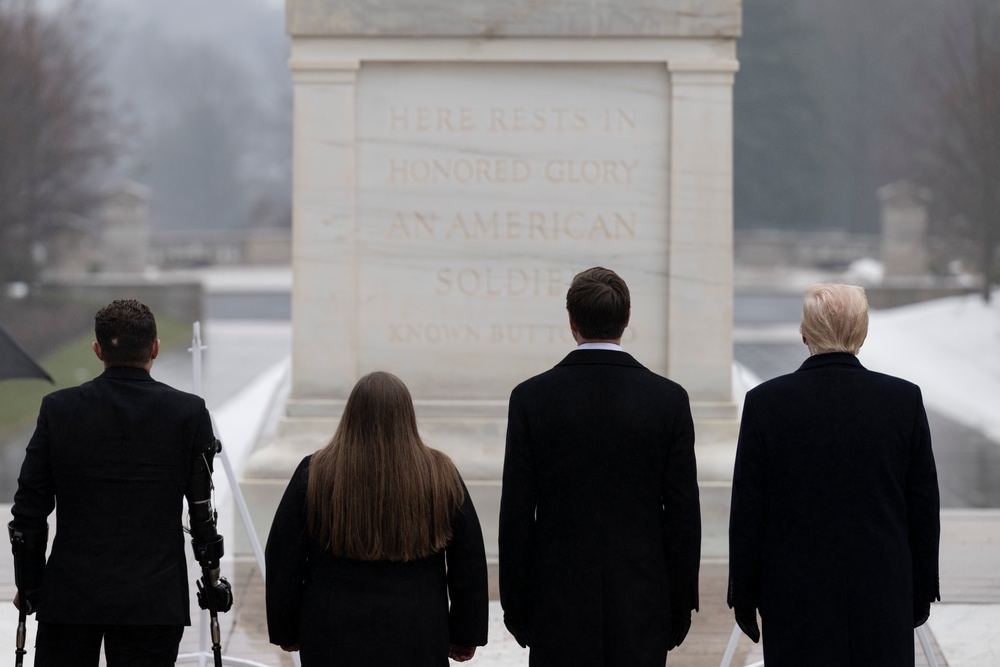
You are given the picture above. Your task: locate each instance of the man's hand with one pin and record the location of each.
(221, 591)
(921, 612)
(461, 653)
(677, 629)
(746, 618)
(30, 601)
(522, 635)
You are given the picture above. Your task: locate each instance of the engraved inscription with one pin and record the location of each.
(415, 171)
(484, 188)
(435, 333)
(518, 120)
(509, 282)
(408, 171)
(515, 225)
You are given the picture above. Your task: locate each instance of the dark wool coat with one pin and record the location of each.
(114, 457)
(835, 517)
(377, 613)
(600, 529)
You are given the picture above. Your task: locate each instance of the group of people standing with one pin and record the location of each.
(376, 557)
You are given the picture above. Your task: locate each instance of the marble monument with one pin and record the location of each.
(456, 163)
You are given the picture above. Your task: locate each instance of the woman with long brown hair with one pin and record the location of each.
(374, 536)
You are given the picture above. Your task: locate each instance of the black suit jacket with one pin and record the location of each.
(835, 520)
(600, 529)
(113, 457)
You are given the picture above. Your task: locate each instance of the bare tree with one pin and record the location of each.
(56, 134)
(962, 160)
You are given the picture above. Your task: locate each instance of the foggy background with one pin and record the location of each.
(832, 101)
(203, 94)
(180, 115)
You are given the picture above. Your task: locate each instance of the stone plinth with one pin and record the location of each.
(125, 227)
(514, 18)
(448, 184)
(904, 230)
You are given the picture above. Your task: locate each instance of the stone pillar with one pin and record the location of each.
(324, 233)
(701, 224)
(904, 230)
(125, 228)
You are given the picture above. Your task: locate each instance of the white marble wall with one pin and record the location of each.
(446, 193)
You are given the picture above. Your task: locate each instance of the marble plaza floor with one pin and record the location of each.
(973, 604)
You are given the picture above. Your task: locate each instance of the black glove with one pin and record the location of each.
(222, 592)
(521, 634)
(677, 629)
(746, 618)
(29, 599)
(921, 612)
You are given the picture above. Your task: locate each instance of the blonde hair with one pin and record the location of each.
(834, 318)
(376, 491)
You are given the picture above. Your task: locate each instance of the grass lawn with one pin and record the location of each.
(71, 364)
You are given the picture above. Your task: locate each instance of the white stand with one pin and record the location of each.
(204, 656)
(925, 643)
(921, 632)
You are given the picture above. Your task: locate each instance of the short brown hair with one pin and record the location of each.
(834, 318)
(126, 332)
(599, 303)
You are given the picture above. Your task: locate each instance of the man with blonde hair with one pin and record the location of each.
(834, 528)
(834, 319)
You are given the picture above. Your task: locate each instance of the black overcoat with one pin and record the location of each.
(600, 528)
(378, 613)
(113, 456)
(835, 515)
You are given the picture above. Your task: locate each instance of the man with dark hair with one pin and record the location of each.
(117, 455)
(600, 528)
(126, 333)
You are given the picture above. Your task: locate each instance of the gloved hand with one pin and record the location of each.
(677, 629)
(30, 601)
(746, 618)
(222, 592)
(921, 612)
(521, 634)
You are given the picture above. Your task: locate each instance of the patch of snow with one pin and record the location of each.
(951, 348)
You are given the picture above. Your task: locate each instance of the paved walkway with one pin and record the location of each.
(245, 632)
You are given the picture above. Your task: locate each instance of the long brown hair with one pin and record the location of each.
(376, 491)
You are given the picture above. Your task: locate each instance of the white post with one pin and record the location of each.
(734, 639)
(203, 654)
(925, 643)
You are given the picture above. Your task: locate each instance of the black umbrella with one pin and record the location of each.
(15, 362)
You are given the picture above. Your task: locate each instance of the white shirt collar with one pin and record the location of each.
(599, 346)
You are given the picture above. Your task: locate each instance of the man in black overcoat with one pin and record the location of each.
(114, 457)
(834, 529)
(600, 528)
